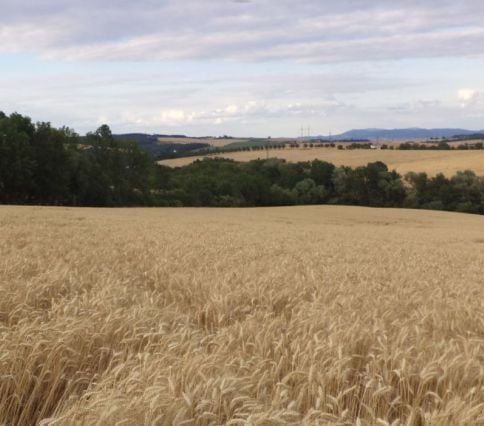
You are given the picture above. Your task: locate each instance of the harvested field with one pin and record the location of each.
(431, 162)
(221, 142)
(305, 315)
(216, 142)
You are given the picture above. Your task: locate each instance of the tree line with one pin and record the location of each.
(40, 164)
(198, 150)
(440, 146)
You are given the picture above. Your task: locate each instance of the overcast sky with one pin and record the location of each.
(243, 67)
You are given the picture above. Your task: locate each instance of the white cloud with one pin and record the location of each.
(470, 97)
(465, 95)
(175, 116)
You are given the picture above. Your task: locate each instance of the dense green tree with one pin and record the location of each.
(307, 192)
(321, 173)
(17, 161)
(44, 165)
(53, 165)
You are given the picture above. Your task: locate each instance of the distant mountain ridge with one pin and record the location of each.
(400, 134)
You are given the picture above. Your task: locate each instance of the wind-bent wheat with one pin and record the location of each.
(310, 315)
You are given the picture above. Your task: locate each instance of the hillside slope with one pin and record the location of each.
(432, 162)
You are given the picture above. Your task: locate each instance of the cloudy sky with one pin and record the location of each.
(243, 67)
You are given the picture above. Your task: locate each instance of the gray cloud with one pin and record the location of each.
(258, 30)
(243, 67)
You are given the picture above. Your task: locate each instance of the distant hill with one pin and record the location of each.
(399, 134)
(473, 136)
(174, 146)
(158, 150)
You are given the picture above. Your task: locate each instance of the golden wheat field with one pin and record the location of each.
(215, 142)
(431, 162)
(211, 141)
(304, 315)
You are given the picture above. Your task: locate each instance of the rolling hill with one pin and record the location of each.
(157, 149)
(431, 162)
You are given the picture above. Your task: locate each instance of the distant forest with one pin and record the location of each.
(43, 165)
